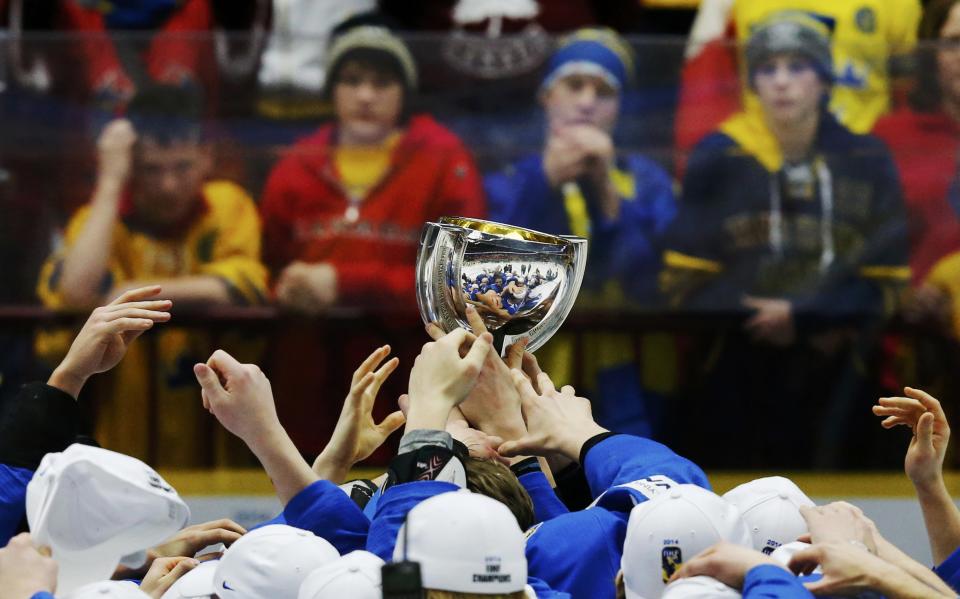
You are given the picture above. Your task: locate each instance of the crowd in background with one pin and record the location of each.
(794, 188)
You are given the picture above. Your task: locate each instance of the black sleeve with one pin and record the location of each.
(39, 420)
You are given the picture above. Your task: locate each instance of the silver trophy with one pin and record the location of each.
(523, 283)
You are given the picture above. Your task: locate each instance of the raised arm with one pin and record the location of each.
(85, 262)
(923, 464)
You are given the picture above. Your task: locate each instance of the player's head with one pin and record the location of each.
(171, 157)
(668, 530)
(585, 78)
(790, 66)
(370, 79)
(493, 479)
(467, 545)
(771, 508)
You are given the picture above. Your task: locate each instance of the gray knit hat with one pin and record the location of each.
(373, 38)
(791, 32)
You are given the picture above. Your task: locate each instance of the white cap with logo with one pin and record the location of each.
(108, 589)
(671, 528)
(93, 506)
(270, 562)
(355, 575)
(465, 542)
(771, 508)
(195, 584)
(699, 587)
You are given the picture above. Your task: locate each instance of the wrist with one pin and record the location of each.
(571, 446)
(270, 441)
(331, 468)
(67, 381)
(931, 486)
(428, 414)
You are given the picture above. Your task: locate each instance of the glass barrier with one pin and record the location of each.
(760, 270)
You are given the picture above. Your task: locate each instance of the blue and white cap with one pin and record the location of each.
(592, 51)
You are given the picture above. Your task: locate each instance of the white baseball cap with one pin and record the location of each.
(195, 584)
(699, 587)
(355, 575)
(93, 506)
(270, 562)
(771, 508)
(466, 543)
(108, 589)
(671, 528)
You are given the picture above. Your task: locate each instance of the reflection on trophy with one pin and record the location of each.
(523, 283)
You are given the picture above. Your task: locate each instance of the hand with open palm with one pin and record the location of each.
(106, 336)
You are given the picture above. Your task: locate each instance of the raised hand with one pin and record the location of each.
(558, 422)
(240, 397)
(441, 379)
(931, 434)
(357, 435)
(494, 404)
(106, 336)
(115, 151)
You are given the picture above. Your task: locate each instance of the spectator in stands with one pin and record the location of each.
(582, 184)
(865, 36)
(790, 217)
(342, 214)
(153, 219)
(923, 137)
(116, 68)
(342, 211)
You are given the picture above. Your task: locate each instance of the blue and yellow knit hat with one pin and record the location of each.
(592, 51)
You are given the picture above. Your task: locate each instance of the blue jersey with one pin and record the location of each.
(326, 511)
(546, 504)
(579, 552)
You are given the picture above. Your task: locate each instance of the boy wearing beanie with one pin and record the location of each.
(795, 222)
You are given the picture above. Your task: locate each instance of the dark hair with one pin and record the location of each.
(496, 481)
(167, 113)
(926, 96)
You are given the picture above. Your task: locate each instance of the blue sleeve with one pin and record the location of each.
(949, 570)
(13, 497)
(623, 459)
(326, 511)
(46, 595)
(543, 591)
(392, 511)
(578, 553)
(772, 582)
(546, 504)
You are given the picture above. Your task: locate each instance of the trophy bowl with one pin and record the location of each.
(523, 283)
